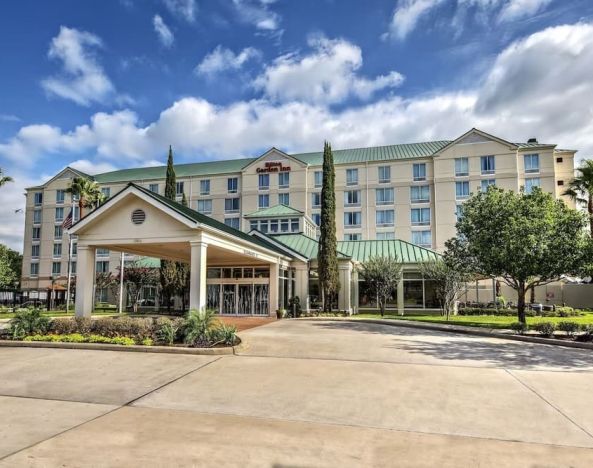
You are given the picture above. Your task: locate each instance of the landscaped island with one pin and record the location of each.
(197, 329)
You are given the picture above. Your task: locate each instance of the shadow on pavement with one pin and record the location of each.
(458, 347)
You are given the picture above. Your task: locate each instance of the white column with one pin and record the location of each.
(274, 274)
(197, 282)
(85, 281)
(345, 277)
(301, 283)
(400, 296)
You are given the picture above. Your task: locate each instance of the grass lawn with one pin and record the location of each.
(485, 321)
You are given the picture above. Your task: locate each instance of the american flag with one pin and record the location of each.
(67, 224)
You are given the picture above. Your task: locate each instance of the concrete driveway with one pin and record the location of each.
(302, 393)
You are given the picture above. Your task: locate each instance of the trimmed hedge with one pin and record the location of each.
(78, 338)
(559, 312)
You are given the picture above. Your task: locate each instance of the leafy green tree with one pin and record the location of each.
(381, 275)
(87, 191)
(329, 283)
(449, 282)
(524, 239)
(580, 189)
(169, 276)
(104, 281)
(4, 179)
(136, 277)
(10, 267)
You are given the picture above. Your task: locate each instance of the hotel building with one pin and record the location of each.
(404, 197)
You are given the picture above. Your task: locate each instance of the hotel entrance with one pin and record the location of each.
(238, 290)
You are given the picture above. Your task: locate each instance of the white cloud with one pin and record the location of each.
(9, 118)
(185, 9)
(163, 32)
(326, 75)
(92, 167)
(258, 13)
(406, 15)
(221, 59)
(83, 79)
(517, 9)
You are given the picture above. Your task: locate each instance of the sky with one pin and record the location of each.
(106, 85)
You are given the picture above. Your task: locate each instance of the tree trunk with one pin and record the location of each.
(521, 303)
(382, 307)
(590, 210)
(532, 294)
(79, 207)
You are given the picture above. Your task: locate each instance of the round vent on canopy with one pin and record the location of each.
(138, 216)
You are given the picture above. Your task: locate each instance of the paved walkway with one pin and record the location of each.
(303, 393)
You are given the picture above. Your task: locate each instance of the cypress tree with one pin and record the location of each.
(327, 258)
(168, 271)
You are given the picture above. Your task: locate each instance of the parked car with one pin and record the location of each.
(536, 307)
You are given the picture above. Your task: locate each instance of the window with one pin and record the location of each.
(38, 198)
(560, 183)
(316, 199)
(102, 252)
(264, 181)
(531, 163)
(263, 201)
(205, 187)
(34, 269)
(461, 190)
(154, 188)
(420, 194)
(484, 184)
(253, 225)
(59, 214)
(352, 237)
(530, 183)
(57, 250)
(351, 176)
(385, 218)
(420, 216)
(179, 188)
(284, 198)
(559, 160)
(284, 225)
(461, 167)
(352, 219)
(232, 222)
(35, 251)
(422, 238)
(384, 174)
(56, 268)
(419, 171)
(58, 232)
(60, 196)
(487, 164)
(294, 225)
(385, 235)
(384, 196)
(232, 184)
(316, 217)
(102, 266)
(76, 213)
(205, 206)
(37, 217)
(352, 198)
(106, 192)
(73, 268)
(36, 233)
(318, 179)
(273, 225)
(231, 205)
(458, 212)
(284, 179)
(74, 248)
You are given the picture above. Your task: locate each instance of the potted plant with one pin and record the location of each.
(281, 313)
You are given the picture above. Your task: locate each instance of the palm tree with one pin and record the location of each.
(87, 192)
(4, 179)
(580, 189)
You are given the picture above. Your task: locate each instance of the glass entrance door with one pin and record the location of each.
(228, 298)
(245, 299)
(261, 299)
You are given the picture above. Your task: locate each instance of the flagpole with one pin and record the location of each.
(121, 282)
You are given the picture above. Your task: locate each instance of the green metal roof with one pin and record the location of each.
(406, 252)
(276, 210)
(302, 244)
(360, 251)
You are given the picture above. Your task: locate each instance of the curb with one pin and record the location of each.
(486, 332)
(111, 347)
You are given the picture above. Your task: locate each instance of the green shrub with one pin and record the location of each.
(197, 326)
(98, 339)
(587, 334)
(166, 330)
(28, 322)
(569, 327)
(146, 342)
(545, 328)
(519, 327)
(490, 311)
(224, 334)
(112, 327)
(122, 340)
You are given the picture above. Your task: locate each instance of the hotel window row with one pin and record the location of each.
(283, 181)
(385, 218)
(276, 225)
